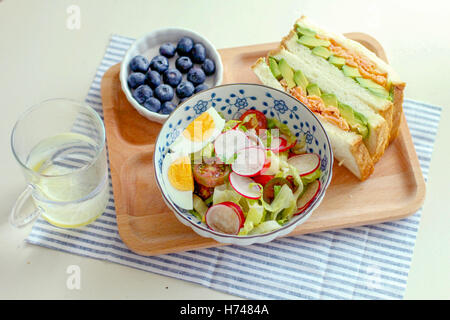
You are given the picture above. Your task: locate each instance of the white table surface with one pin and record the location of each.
(41, 58)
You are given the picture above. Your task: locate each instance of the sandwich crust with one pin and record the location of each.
(398, 110)
(363, 160)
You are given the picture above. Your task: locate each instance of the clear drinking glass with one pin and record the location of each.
(60, 146)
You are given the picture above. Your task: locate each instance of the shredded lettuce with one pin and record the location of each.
(274, 163)
(254, 217)
(284, 129)
(284, 199)
(300, 146)
(224, 193)
(196, 214)
(205, 153)
(199, 205)
(311, 177)
(230, 124)
(250, 118)
(264, 227)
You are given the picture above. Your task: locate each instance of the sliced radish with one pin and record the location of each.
(312, 190)
(226, 217)
(305, 163)
(254, 139)
(230, 142)
(288, 146)
(249, 161)
(277, 143)
(262, 179)
(266, 167)
(242, 185)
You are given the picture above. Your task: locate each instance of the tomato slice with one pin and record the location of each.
(263, 179)
(251, 123)
(269, 188)
(210, 174)
(203, 192)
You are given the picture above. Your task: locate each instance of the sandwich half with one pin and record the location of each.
(360, 118)
(355, 70)
(347, 139)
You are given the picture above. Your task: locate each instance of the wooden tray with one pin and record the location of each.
(395, 190)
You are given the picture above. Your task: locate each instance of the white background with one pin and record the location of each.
(41, 58)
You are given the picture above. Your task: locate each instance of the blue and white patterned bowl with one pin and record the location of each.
(232, 101)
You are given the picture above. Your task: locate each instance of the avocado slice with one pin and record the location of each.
(313, 90)
(312, 42)
(304, 31)
(273, 65)
(355, 120)
(330, 100)
(321, 52)
(382, 93)
(287, 73)
(337, 61)
(368, 83)
(300, 79)
(350, 71)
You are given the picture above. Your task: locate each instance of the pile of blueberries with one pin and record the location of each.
(154, 83)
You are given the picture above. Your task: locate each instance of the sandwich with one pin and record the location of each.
(356, 95)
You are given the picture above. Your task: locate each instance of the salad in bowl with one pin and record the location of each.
(233, 173)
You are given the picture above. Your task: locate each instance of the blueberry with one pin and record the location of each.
(200, 87)
(196, 76)
(139, 64)
(185, 46)
(153, 78)
(142, 93)
(198, 53)
(164, 93)
(168, 107)
(167, 50)
(185, 89)
(135, 79)
(209, 67)
(172, 77)
(159, 63)
(184, 64)
(152, 104)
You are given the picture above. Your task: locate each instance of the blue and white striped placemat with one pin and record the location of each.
(369, 262)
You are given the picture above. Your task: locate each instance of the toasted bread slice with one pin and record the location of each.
(348, 147)
(390, 110)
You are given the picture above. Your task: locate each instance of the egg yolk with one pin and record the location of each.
(200, 129)
(180, 174)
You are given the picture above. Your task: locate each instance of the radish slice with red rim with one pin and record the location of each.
(305, 163)
(228, 143)
(287, 146)
(245, 186)
(277, 143)
(311, 192)
(226, 217)
(249, 161)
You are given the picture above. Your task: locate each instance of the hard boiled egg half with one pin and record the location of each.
(178, 179)
(204, 129)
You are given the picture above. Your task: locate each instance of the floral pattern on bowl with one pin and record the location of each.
(232, 101)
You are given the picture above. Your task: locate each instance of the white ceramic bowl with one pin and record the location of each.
(148, 46)
(232, 100)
